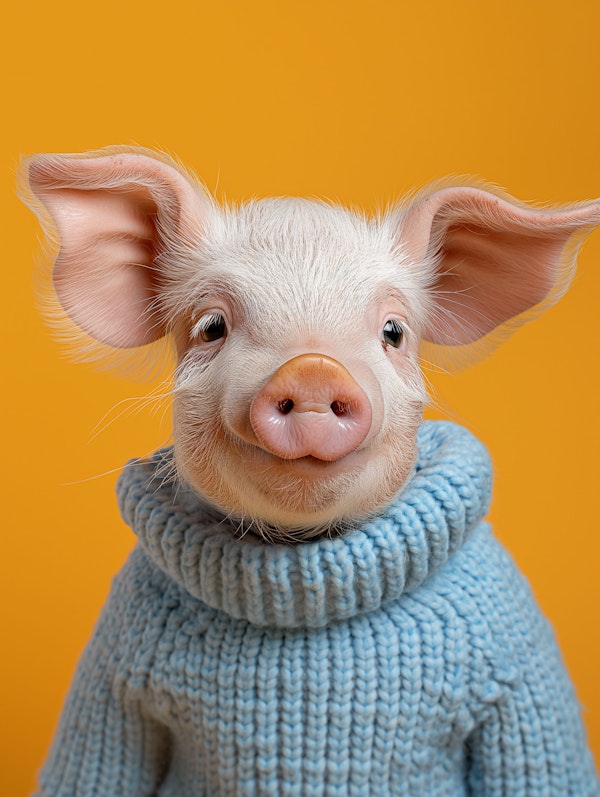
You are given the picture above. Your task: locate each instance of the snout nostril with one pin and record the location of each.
(311, 407)
(340, 408)
(285, 406)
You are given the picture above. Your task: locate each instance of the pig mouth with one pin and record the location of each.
(302, 487)
(307, 466)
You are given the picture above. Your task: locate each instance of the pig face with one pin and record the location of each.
(298, 392)
(297, 325)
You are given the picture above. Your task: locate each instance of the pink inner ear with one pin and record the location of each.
(486, 278)
(104, 274)
(494, 259)
(114, 215)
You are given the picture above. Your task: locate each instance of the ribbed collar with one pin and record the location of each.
(314, 583)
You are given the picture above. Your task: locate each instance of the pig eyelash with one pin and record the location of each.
(398, 326)
(209, 327)
(393, 333)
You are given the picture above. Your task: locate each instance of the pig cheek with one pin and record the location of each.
(200, 448)
(394, 454)
(208, 459)
(211, 459)
(389, 476)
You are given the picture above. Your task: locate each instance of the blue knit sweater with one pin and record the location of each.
(404, 658)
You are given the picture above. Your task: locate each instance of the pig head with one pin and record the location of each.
(297, 325)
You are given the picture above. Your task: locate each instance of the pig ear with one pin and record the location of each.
(118, 213)
(493, 259)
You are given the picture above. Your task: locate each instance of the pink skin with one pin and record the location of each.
(311, 407)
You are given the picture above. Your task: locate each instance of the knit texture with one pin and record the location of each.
(406, 657)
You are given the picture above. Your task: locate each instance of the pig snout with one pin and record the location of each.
(311, 406)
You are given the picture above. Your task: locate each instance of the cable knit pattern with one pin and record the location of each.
(406, 657)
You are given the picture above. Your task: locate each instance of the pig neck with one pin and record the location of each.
(314, 583)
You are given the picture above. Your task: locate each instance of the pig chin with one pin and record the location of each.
(291, 501)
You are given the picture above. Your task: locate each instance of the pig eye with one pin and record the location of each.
(210, 327)
(393, 333)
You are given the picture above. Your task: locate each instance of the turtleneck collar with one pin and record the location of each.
(314, 583)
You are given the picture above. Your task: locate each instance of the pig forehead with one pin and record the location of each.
(302, 270)
(304, 255)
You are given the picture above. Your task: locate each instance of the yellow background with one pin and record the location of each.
(359, 101)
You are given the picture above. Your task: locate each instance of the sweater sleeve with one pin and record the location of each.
(530, 740)
(531, 744)
(107, 743)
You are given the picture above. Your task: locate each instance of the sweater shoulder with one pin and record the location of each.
(484, 574)
(502, 622)
(144, 612)
(483, 582)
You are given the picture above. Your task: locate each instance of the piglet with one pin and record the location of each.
(315, 605)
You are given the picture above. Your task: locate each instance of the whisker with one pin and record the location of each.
(129, 406)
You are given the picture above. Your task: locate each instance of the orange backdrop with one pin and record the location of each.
(354, 100)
